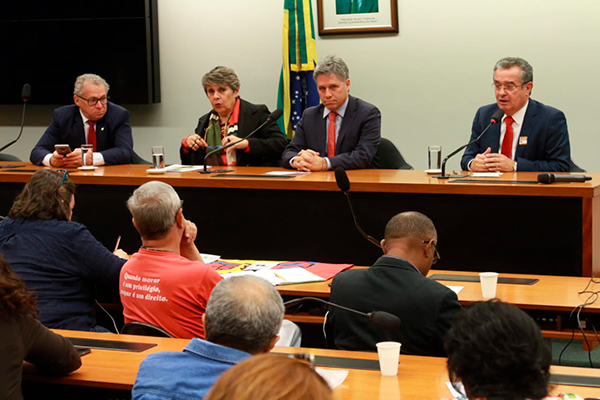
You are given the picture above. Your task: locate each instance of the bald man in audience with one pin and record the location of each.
(243, 316)
(397, 283)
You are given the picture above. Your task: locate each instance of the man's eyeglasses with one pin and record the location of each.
(65, 175)
(510, 87)
(92, 102)
(436, 255)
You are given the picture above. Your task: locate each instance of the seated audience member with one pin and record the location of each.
(497, 351)
(342, 131)
(271, 377)
(93, 120)
(232, 119)
(242, 318)
(531, 137)
(58, 259)
(165, 283)
(23, 338)
(397, 283)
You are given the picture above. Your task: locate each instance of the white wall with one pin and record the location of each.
(428, 80)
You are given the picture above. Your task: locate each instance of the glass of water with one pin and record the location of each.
(158, 157)
(435, 157)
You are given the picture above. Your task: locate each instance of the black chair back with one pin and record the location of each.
(390, 157)
(574, 167)
(136, 159)
(143, 329)
(8, 157)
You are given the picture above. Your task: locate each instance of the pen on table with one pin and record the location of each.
(117, 245)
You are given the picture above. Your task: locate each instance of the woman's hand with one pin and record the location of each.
(240, 144)
(194, 142)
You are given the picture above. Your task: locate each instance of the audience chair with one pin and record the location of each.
(8, 157)
(143, 329)
(574, 167)
(390, 157)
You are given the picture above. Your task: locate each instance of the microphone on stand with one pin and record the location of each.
(25, 95)
(274, 116)
(341, 178)
(551, 178)
(496, 117)
(379, 319)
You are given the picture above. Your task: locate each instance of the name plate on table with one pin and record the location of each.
(468, 278)
(111, 345)
(342, 362)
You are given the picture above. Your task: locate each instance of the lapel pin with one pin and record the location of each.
(523, 140)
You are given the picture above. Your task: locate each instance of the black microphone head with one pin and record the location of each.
(26, 92)
(546, 178)
(275, 115)
(341, 178)
(497, 116)
(384, 320)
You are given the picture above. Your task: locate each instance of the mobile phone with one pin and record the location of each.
(83, 351)
(62, 149)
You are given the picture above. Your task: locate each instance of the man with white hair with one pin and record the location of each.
(91, 120)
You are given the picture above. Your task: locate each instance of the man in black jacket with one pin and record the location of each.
(397, 283)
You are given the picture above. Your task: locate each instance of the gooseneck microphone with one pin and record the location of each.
(25, 95)
(496, 117)
(379, 319)
(341, 178)
(551, 178)
(274, 116)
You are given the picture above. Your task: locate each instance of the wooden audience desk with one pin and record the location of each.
(418, 377)
(549, 301)
(521, 228)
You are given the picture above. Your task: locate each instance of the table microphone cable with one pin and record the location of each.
(109, 316)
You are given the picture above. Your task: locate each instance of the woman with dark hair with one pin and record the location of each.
(57, 259)
(498, 353)
(23, 338)
(231, 120)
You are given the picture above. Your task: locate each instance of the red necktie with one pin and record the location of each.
(507, 143)
(91, 134)
(331, 135)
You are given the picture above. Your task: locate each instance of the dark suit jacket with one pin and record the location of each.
(425, 307)
(357, 142)
(266, 145)
(113, 134)
(545, 127)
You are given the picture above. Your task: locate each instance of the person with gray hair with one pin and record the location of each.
(243, 317)
(531, 136)
(232, 119)
(91, 120)
(397, 283)
(342, 131)
(165, 283)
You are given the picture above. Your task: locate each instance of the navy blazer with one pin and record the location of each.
(113, 134)
(546, 147)
(357, 142)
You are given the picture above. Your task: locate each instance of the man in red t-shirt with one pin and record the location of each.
(165, 283)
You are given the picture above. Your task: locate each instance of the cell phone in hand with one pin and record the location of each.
(62, 149)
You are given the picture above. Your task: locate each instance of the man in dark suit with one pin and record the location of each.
(92, 120)
(343, 131)
(531, 137)
(397, 283)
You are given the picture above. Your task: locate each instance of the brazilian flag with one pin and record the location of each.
(297, 89)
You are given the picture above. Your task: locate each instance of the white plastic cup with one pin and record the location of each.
(434, 154)
(489, 282)
(389, 355)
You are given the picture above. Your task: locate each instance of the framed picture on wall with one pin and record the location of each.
(357, 16)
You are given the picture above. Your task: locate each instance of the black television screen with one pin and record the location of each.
(49, 43)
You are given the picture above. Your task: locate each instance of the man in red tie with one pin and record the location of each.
(342, 131)
(91, 120)
(531, 137)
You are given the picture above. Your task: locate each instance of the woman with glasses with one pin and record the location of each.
(230, 121)
(58, 259)
(271, 377)
(23, 338)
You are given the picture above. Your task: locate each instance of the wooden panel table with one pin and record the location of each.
(418, 377)
(522, 228)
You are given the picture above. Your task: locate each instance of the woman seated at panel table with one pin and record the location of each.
(232, 119)
(58, 259)
(498, 353)
(23, 338)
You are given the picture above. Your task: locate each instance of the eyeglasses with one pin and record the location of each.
(436, 255)
(92, 102)
(510, 87)
(65, 175)
(306, 358)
